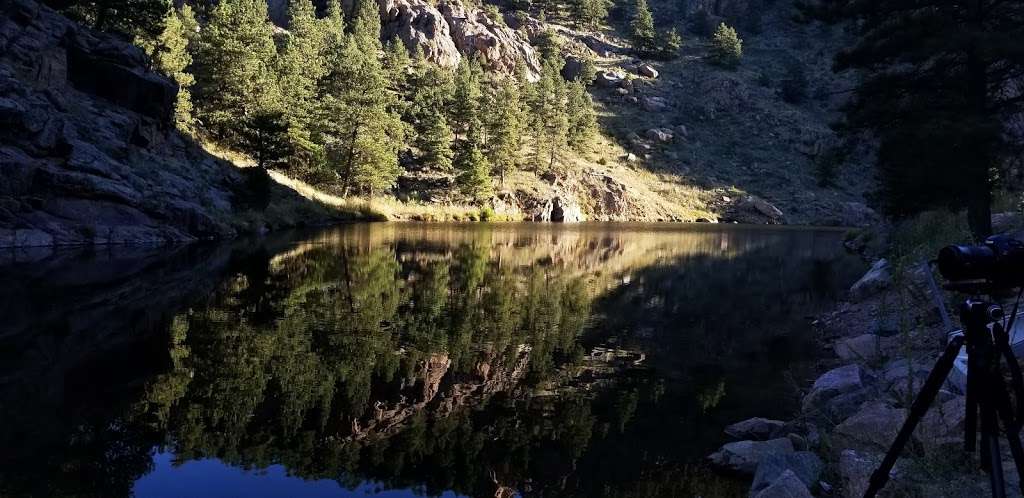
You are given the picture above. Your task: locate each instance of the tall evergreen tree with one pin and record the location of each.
(941, 80)
(265, 135)
(359, 128)
(173, 58)
(333, 25)
(506, 128)
(581, 116)
(235, 77)
(301, 68)
(435, 143)
(366, 24)
(466, 99)
(642, 25)
(590, 13)
(550, 122)
(474, 171)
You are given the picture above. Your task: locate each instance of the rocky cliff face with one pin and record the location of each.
(88, 154)
(448, 30)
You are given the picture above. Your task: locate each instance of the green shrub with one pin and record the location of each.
(486, 213)
(726, 47)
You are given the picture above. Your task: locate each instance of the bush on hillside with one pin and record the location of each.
(726, 47)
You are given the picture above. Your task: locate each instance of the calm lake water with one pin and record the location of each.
(400, 360)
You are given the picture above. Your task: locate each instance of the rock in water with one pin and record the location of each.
(744, 456)
(757, 428)
(877, 279)
(787, 485)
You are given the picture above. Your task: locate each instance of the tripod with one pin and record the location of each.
(988, 397)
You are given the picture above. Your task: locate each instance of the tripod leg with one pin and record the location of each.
(995, 462)
(1005, 411)
(971, 417)
(917, 410)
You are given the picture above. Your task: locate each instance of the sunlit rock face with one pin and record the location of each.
(446, 31)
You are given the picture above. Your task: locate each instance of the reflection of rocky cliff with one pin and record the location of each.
(440, 358)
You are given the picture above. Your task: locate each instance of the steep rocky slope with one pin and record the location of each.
(88, 153)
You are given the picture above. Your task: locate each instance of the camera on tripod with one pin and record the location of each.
(993, 268)
(995, 265)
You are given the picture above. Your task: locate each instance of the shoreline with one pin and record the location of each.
(880, 344)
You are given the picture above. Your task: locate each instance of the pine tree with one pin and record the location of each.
(581, 116)
(301, 68)
(236, 77)
(671, 44)
(726, 46)
(939, 88)
(590, 13)
(466, 99)
(360, 130)
(172, 58)
(642, 25)
(333, 25)
(550, 122)
(506, 128)
(134, 18)
(435, 143)
(265, 134)
(474, 171)
(550, 47)
(397, 64)
(366, 24)
(430, 91)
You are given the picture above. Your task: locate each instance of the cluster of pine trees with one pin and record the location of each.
(330, 101)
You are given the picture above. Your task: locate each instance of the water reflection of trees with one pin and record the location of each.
(454, 364)
(307, 363)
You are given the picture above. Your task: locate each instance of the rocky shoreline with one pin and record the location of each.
(880, 344)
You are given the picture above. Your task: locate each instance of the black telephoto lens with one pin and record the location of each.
(957, 263)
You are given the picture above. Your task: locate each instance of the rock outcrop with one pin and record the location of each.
(88, 154)
(449, 30)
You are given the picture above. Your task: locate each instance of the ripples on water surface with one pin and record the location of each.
(405, 360)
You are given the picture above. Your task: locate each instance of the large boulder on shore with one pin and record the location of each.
(743, 457)
(834, 383)
(786, 485)
(757, 428)
(877, 279)
(805, 465)
(874, 426)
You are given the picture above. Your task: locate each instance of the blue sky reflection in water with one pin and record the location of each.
(480, 360)
(213, 478)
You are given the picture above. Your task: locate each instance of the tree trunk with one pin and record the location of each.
(979, 145)
(347, 182)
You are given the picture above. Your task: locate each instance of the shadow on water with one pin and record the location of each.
(598, 360)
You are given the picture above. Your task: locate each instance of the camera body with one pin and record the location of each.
(996, 264)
